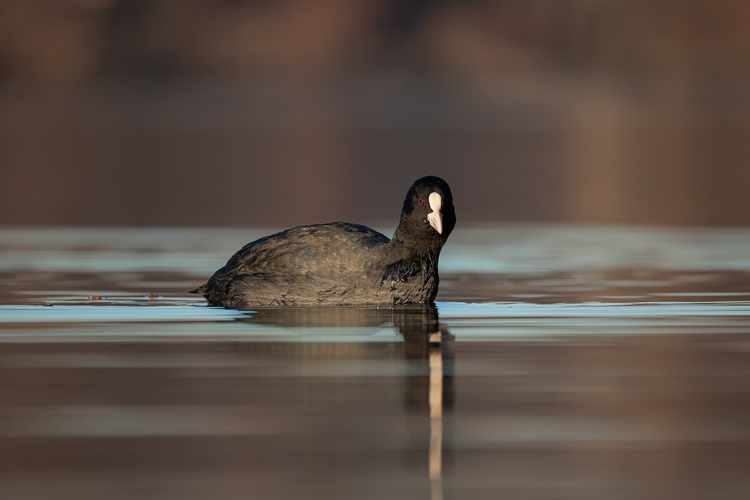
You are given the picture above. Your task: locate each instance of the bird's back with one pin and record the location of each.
(300, 266)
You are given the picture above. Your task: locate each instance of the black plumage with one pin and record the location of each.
(341, 263)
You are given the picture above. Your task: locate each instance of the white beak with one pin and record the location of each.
(435, 217)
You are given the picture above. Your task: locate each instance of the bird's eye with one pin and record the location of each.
(421, 201)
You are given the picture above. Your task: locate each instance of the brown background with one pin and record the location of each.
(282, 113)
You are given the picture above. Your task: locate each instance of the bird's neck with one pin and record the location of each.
(406, 252)
(405, 245)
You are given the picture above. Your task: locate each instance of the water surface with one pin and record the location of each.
(560, 362)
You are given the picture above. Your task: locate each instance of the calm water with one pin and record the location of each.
(560, 362)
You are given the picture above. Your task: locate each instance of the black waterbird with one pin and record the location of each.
(341, 263)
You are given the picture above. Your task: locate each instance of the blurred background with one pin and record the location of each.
(251, 113)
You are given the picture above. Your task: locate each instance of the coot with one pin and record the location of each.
(341, 263)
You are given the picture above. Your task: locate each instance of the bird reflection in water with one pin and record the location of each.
(428, 385)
